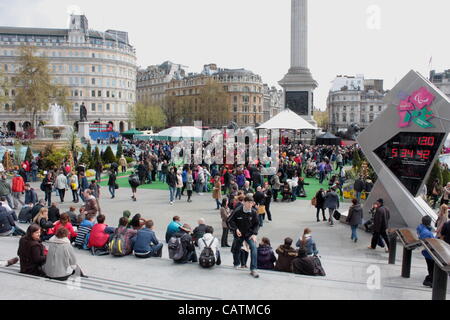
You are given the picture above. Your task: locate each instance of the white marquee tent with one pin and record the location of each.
(180, 133)
(287, 120)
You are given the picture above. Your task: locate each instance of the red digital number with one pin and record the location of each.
(424, 154)
(394, 153)
(426, 141)
(406, 153)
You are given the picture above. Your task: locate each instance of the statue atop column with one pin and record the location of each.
(83, 113)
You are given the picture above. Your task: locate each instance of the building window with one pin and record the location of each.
(107, 107)
(371, 108)
(245, 99)
(93, 93)
(371, 117)
(99, 94)
(93, 107)
(93, 81)
(344, 117)
(380, 108)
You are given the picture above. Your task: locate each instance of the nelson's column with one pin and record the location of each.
(298, 83)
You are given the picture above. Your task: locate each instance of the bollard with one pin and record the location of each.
(440, 278)
(406, 264)
(392, 248)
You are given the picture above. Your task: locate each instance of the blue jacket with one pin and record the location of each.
(184, 176)
(84, 184)
(310, 246)
(424, 233)
(144, 240)
(31, 197)
(6, 220)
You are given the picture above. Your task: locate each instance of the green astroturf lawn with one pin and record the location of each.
(122, 181)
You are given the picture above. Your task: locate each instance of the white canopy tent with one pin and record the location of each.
(287, 120)
(179, 133)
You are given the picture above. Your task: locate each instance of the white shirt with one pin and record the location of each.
(208, 237)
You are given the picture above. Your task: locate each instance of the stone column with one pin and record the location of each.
(299, 34)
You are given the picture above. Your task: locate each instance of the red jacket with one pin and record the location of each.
(17, 184)
(98, 238)
(68, 226)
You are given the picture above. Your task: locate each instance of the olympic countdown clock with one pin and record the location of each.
(402, 145)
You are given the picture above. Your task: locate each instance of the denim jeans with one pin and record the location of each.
(112, 190)
(322, 176)
(81, 195)
(261, 219)
(75, 195)
(172, 193)
(155, 252)
(34, 175)
(354, 234)
(253, 253)
(218, 203)
(178, 194)
(163, 177)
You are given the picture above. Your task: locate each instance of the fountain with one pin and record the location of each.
(56, 133)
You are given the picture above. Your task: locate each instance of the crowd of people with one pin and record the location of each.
(241, 194)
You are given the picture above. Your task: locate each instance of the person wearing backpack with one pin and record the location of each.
(209, 249)
(134, 182)
(181, 247)
(173, 227)
(199, 231)
(146, 244)
(122, 241)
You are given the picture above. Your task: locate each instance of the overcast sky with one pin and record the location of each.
(378, 38)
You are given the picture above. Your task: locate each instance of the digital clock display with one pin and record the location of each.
(409, 155)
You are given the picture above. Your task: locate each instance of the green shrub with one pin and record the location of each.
(29, 155)
(129, 159)
(108, 156)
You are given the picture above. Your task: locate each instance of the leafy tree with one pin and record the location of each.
(96, 158)
(436, 173)
(29, 155)
(85, 158)
(148, 116)
(322, 119)
(119, 152)
(108, 156)
(4, 87)
(356, 159)
(209, 106)
(52, 158)
(35, 91)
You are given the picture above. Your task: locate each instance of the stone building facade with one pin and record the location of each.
(98, 68)
(354, 100)
(243, 90)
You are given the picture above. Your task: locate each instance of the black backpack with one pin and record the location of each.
(117, 245)
(207, 258)
(176, 251)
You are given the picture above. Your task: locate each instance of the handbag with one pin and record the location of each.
(261, 209)
(337, 215)
(116, 186)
